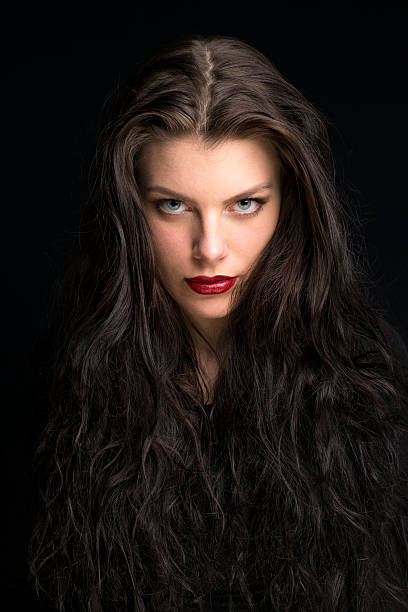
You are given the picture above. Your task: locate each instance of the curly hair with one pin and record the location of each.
(289, 490)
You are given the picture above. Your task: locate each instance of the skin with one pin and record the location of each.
(206, 230)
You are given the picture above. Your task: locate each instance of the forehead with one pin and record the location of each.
(188, 155)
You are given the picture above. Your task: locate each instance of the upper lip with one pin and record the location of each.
(209, 279)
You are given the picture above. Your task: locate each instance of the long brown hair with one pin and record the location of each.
(288, 489)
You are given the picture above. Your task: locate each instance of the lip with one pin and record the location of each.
(220, 285)
(209, 279)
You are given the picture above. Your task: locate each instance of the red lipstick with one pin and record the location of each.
(211, 284)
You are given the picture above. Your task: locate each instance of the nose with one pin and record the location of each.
(209, 244)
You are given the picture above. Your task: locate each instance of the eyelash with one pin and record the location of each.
(259, 201)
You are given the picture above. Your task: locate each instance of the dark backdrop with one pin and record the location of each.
(350, 62)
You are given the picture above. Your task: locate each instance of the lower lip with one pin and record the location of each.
(217, 287)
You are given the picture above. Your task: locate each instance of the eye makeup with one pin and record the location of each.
(260, 202)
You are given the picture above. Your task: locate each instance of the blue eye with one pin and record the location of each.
(175, 209)
(249, 200)
(172, 208)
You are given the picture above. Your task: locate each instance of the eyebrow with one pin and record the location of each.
(239, 196)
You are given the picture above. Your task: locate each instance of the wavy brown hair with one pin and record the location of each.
(288, 491)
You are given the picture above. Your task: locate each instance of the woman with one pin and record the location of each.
(232, 444)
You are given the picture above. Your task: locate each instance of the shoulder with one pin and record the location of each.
(368, 349)
(401, 353)
(369, 354)
(398, 342)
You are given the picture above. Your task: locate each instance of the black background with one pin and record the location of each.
(350, 62)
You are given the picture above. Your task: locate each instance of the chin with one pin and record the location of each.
(211, 313)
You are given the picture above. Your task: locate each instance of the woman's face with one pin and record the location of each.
(201, 207)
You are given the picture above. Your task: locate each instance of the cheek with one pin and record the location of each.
(268, 227)
(256, 240)
(170, 245)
